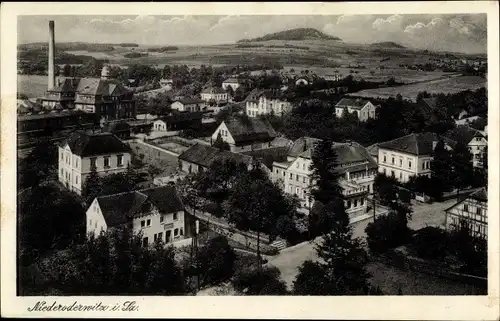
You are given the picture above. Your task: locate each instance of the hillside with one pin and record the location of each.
(294, 34)
(387, 44)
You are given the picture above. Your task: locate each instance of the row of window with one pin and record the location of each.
(355, 203)
(393, 162)
(393, 174)
(119, 161)
(68, 159)
(147, 222)
(67, 176)
(469, 210)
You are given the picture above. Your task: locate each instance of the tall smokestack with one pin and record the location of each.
(52, 45)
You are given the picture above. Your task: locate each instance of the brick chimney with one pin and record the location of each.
(51, 70)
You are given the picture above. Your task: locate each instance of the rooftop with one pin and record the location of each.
(415, 144)
(355, 103)
(86, 144)
(205, 155)
(244, 129)
(463, 134)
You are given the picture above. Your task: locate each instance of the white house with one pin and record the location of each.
(167, 83)
(264, 102)
(356, 169)
(157, 213)
(410, 155)
(188, 104)
(245, 134)
(215, 94)
(471, 211)
(475, 140)
(234, 83)
(363, 108)
(82, 151)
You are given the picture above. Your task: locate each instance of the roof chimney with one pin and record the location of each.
(51, 72)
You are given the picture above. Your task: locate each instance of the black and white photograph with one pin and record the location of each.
(252, 155)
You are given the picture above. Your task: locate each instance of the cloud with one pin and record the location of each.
(466, 32)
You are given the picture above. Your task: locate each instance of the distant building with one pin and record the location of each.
(167, 83)
(188, 104)
(475, 141)
(104, 97)
(356, 169)
(410, 155)
(199, 157)
(54, 120)
(178, 121)
(156, 213)
(472, 211)
(234, 83)
(363, 108)
(83, 151)
(244, 134)
(265, 102)
(215, 94)
(466, 121)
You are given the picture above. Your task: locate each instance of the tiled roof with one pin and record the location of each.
(415, 144)
(463, 134)
(268, 93)
(121, 208)
(213, 90)
(233, 80)
(85, 145)
(250, 129)
(204, 155)
(301, 145)
(66, 85)
(100, 87)
(351, 102)
(373, 150)
(480, 195)
(270, 155)
(190, 100)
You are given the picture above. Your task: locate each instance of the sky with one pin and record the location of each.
(451, 32)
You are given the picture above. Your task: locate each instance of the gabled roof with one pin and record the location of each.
(100, 87)
(415, 144)
(479, 195)
(233, 80)
(66, 85)
(189, 100)
(84, 144)
(270, 155)
(205, 155)
(268, 93)
(352, 103)
(301, 145)
(213, 90)
(121, 208)
(463, 134)
(249, 129)
(373, 150)
(430, 102)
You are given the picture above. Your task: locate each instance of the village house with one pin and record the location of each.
(234, 83)
(475, 141)
(471, 211)
(82, 152)
(356, 169)
(245, 134)
(363, 108)
(167, 83)
(155, 213)
(215, 94)
(410, 155)
(199, 157)
(178, 121)
(265, 102)
(188, 104)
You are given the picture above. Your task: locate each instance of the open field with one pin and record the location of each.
(447, 86)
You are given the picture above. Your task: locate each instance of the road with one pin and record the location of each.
(291, 258)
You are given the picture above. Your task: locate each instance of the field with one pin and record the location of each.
(447, 86)
(32, 86)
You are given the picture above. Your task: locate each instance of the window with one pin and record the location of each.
(119, 160)
(385, 159)
(155, 237)
(400, 175)
(303, 179)
(304, 166)
(355, 203)
(145, 242)
(62, 156)
(90, 222)
(401, 162)
(297, 178)
(143, 223)
(175, 217)
(392, 174)
(160, 236)
(181, 231)
(284, 173)
(148, 222)
(92, 162)
(409, 164)
(478, 211)
(176, 232)
(297, 190)
(298, 165)
(393, 160)
(76, 179)
(106, 161)
(384, 171)
(348, 204)
(291, 176)
(161, 218)
(362, 201)
(168, 236)
(466, 207)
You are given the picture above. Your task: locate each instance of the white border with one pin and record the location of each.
(385, 308)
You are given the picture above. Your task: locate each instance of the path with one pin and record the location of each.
(291, 258)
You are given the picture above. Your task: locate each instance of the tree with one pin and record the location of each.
(266, 281)
(114, 263)
(386, 232)
(311, 280)
(440, 167)
(220, 143)
(216, 261)
(39, 165)
(461, 167)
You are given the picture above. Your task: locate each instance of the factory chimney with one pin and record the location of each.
(52, 45)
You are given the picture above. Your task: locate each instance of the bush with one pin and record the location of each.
(260, 282)
(216, 260)
(386, 232)
(430, 243)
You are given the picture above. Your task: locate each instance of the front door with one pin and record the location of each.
(168, 236)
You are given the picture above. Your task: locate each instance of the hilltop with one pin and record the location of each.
(387, 44)
(294, 34)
